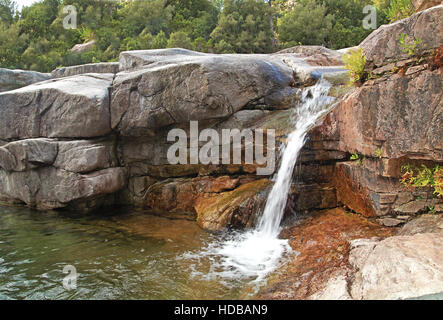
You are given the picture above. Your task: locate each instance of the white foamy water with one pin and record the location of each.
(258, 252)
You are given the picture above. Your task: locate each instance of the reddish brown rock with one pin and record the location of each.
(322, 243)
(239, 206)
(382, 46)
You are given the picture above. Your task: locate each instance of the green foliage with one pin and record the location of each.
(414, 177)
(12, 45)
(407, 46)
(244, 26)
(8, 10)
(308, 22)
(399, 9)
(86, 34)
(160, 41)
(333, 23)
(179, 39)
(356, 157)
(378, 152)
(35, 38)
(355, 62)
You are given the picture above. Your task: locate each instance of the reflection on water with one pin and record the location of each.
(125, 254)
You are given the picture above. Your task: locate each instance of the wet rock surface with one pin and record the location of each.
(342, 256)
(320, 266)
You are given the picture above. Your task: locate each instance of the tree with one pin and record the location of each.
(160, 41)
(307, 23)
(36, 19)
(244, 26)
(12, 46)
(347, 30)
(180, 39)
(8, 9)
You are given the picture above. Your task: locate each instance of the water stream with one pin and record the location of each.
(256, 253)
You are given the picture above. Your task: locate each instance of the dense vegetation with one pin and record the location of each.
(34, 38)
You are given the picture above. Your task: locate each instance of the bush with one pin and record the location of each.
(414, 177)
(355, 62)
(399, 9)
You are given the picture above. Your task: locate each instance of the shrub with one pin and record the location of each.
(399, 9)
(414, 177)
(355, 62)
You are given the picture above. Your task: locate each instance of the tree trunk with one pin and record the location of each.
(271, 22)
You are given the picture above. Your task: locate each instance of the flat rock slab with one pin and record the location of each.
(163, 87)
(73, 107)
(102, 67)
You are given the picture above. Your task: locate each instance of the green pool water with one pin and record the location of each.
(118, 254)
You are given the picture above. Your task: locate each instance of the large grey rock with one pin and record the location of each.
(80, 156)
(85, 155)
(102, 67)
(169, 87)
(73, 107)
(382, 46)
(398, 267)
(83, 47)
(49, 188)
(14, 79)
(28, 154)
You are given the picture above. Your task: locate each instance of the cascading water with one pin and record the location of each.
(257, 252)
(314, 99)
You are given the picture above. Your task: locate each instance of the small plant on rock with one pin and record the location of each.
(411, 48)
(356, 157)
(355, 62)
(414, 177)
(378, 153)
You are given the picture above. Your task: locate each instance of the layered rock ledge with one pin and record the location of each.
(82, 139)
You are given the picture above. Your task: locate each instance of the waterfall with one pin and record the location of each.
(256, 253)
(314, 101)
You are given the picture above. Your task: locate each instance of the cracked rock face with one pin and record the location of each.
(382, 45)
(47, 173)
(73, 107)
